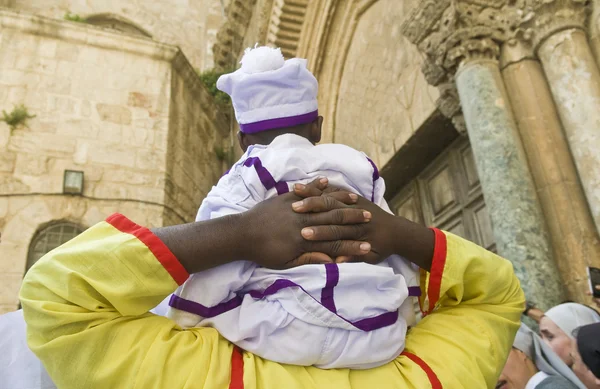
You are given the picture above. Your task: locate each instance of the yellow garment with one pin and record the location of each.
(86, 307)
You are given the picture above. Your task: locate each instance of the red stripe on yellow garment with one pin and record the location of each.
(156, 246)
(437, 268)
(237, 369)
(433, 379)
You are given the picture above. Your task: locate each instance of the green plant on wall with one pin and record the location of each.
(209, 79)
(74, 18)
(220, 153)
(18, 117)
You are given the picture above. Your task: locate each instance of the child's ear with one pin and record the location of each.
(243, 141)
(315, 130)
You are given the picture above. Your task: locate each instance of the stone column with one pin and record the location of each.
(561, 43)
(461, 39)
(594, 28)
(572, 231)
(519, 226)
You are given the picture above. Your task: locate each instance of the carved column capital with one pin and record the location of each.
(454, 32)
(451, 32)
(550, 16)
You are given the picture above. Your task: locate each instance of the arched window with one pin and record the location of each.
(49, 238)
(117, 23)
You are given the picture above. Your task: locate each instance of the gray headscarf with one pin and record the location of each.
(544, 358)
(569, 316)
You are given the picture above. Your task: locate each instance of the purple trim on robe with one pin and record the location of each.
(368, 324)
(271, 124)
(332, 273)
(265, 176)
(414, 291)
(375, 177)
(204, 311)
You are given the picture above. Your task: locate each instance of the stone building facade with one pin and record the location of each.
(126, 110)
(483, 116)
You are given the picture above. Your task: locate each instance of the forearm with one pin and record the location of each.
(202, 245)
(86, 307)
(414, 242)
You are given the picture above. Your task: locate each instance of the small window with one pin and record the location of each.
(50, 238)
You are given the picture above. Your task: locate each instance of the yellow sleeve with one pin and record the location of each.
(475, 304)
(86, 307)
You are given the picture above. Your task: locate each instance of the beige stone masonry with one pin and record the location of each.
(129, 112)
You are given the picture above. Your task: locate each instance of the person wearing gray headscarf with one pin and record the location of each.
(558, 323)
(532, 364)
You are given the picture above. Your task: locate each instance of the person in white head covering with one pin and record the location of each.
(531, 364)
(558, 323)
(335, 315)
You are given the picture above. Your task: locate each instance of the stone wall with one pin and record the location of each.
(196, 129)
(191, 25)
(383, 96)
(129, 112)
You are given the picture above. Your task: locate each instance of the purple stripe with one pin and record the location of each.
(265, 176)
(282, 187)
(414, 291)
(273, 288)
(375, 177)
(270, 124)
(333, 276)
(374, 323)
(201, 310)
(369, 324)
(375, 170)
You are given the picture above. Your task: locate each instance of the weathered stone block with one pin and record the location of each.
(3, 209)
(138, 137)
(110, 191)
(53, 84)
(7, 161)
(109, 132)
(111, 155)
(40, 142)
(131, 177)
(114, 113)
(10, 283)
(77, 129)
(62, 104)
(10, 184)
(47, 48)
(140, 100)
(31, 164)
(151, 160)
(67, 51)
(16, 94)
(12, 77)
(37, 64)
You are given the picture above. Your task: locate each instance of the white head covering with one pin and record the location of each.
(569, 316)
(542, 355)
(268, 92)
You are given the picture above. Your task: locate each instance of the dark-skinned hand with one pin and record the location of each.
(276, 229)
(387, 234)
